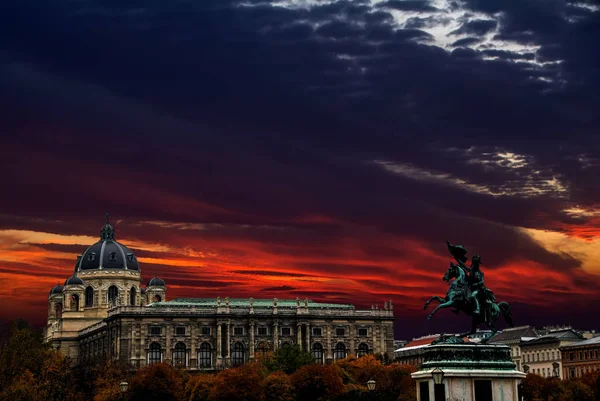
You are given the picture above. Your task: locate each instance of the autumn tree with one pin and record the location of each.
(279, 387)
(198, 387)
(400, 385)
(32, 370)
(244, 383)
(576, 390)
(352, 392)
(289, 359)
(107, 378)
(533, 386)
(158, 382)
(318, 382)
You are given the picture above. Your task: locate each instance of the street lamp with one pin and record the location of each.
(438, 376)
(371, 385)
(124, 385)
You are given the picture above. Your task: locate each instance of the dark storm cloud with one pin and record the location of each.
(408, 5)
(208, 112)
(476, 27)
(508, 55)
(466, 42)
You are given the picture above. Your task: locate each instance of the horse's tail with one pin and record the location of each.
(505, 308)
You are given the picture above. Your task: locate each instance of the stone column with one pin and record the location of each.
(329, 353)
(143, 354)
(275, 335)
(219, 344)
(228, 338)
(299, 335)
(352, 330)
(168, 352)
(375, 350)
(251, 345)
(193, 356)
(383, 347)
(118, 342)
(308, 337)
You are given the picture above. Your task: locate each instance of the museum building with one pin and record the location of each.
(104, 311)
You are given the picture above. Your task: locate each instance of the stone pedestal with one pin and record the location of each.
(471, 372)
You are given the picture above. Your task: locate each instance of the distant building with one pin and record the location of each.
(413, 352)
(580, 357)
(513, 337)
(542, 355)
(104, 311)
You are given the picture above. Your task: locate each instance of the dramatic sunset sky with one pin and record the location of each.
(314, 148)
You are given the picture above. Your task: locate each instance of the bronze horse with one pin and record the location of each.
(457, 298)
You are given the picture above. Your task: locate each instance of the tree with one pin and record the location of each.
(352, 392)
(578, 391)
(289, 359)
(533, 387)
(198, 387)
(400, 385)
(107, 378)
(32, 370)
(158, 382)
(318, 382)
(279, 387)
(244, 383)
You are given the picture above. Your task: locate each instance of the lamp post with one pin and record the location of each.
(371, 384)
(438, 376)
(124, 385)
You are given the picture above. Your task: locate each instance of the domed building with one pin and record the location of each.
(106, 275)
(104, 311)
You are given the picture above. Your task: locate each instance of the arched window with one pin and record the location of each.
(179, 355)
(157, 298)
(317, 352)
(112, 256)
(237, 354)
(205, 356)
(340, 351)
(75, 302)
(154, 354)
(113, 294)
(58, 310)
(285, 345)
(363, 349)
(89, 297)
(132, 296)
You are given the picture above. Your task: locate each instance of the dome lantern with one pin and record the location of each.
(107, 232)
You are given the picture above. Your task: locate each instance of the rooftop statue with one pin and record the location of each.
(468, 294)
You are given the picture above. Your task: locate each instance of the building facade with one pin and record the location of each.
(580, 358)
(542, 355)
(104, 311)
(514, 337)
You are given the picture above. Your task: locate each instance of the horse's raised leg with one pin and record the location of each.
(440, 306)
(434, 298)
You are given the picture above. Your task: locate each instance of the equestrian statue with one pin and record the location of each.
(468, 294)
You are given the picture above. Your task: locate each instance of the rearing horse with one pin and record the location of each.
(456, 297)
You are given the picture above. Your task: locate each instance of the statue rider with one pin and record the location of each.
(478, 289)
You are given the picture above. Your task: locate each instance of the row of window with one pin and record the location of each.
(583, 355)
(573, 372)
(111, 256)
(260, 330)
(537, 357)
(238, 353)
